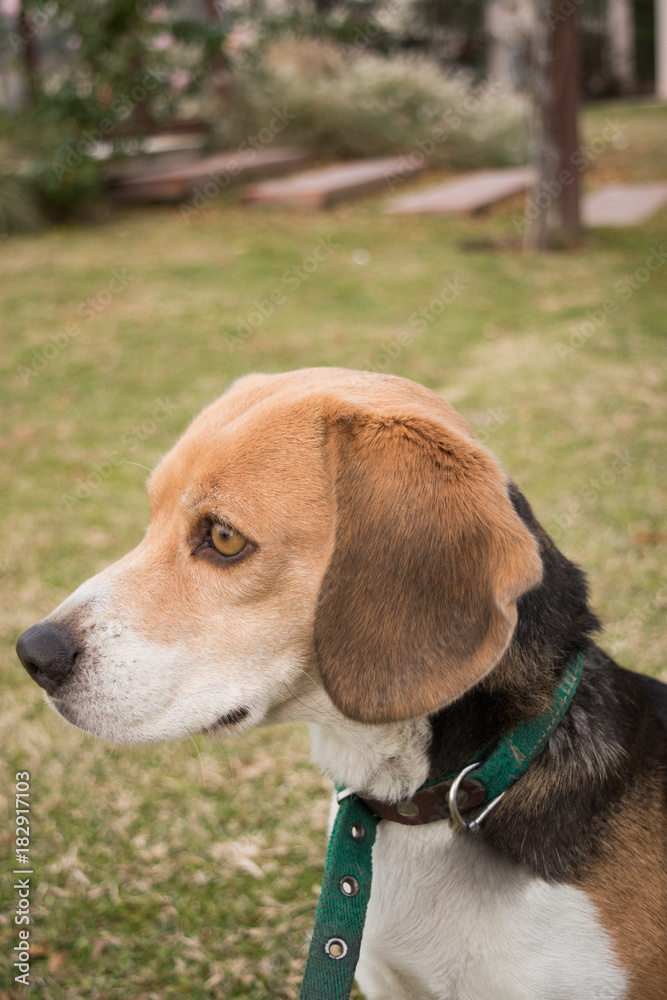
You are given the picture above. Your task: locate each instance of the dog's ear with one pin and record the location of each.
(418, 602)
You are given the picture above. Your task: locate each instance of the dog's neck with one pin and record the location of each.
(567, 785)
(388, 762)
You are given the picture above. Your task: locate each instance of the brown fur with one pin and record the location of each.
(438, 556)
(627, 881)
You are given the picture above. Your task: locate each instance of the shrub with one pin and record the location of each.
(118, 71)
(41, 161)
(348, 103)
(19, 203)
(19, 208)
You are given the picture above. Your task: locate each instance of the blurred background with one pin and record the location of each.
(469, 194)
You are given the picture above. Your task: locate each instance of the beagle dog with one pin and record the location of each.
(336, 547)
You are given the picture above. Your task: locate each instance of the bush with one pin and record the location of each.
(117, 71)
(348, 104)
(40, 160)
(19, 202)
(19, 208)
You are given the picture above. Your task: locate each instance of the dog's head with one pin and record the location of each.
(340, 526)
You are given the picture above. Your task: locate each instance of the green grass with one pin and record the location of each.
(191, 869)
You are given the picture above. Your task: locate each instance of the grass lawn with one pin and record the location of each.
(191, 870)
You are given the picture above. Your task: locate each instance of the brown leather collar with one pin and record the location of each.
(429, 804)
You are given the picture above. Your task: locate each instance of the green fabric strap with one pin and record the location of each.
(515, 752)
(348, 871)
(340, 917)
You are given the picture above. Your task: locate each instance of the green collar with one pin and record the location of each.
(346, 885)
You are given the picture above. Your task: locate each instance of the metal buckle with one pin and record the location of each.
(459, 822)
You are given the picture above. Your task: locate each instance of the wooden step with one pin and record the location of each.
(468, 193)
(326, 186)
(623, 204)
(208, 176)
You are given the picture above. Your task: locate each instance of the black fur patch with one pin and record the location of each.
(553, 818)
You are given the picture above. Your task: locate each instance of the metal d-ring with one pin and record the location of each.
(459, 822)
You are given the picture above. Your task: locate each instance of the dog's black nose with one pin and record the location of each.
(48, 653)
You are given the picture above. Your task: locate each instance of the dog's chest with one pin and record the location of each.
(450, 919)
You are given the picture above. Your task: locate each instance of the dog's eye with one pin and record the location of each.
(226, 540)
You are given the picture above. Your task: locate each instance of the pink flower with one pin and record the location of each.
(242, 36)
(179, 79)
(10, 8)
(162, 41)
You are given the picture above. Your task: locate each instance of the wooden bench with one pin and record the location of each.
(321, 188)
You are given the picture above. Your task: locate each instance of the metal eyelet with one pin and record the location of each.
(357, 831)
(336, 948)
(348, 885)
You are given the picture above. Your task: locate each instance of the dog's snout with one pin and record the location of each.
(47, 652)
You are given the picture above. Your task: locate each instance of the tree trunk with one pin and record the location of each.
(555, 89)
(661, 49)
(222, 78)
(565, 88)
(28, 36)
(621, 36)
